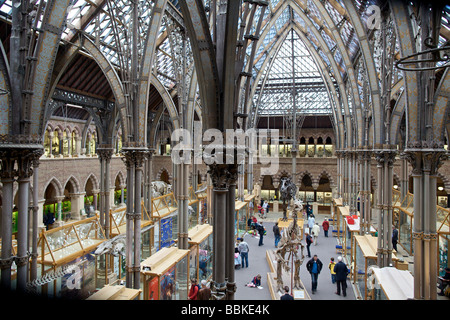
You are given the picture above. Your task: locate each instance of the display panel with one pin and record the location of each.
(205, 258)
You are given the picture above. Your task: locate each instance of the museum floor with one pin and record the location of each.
(325, 249)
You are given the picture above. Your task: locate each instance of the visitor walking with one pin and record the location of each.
(325, 227)
(261, 230)
(315, 233)
(265, 209)
(308, 243)
(311, 222)
(394, 238)
(331, 267)
(277, 234)
(205, 292)
(314, 266)
(243, 251)
(341, 271)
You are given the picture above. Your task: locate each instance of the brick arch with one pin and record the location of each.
(161, 170)
(95, 181)
(75, 184)
(56, 184)
(446, 182)
(302, 174)
(122, 179)
(329, 177)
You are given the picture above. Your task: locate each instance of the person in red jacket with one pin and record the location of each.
(325, 226)
(194, 290)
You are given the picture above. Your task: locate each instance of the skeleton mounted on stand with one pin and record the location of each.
(288, 190)
(290, 244)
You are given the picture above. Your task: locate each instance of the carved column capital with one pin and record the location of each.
(104, 153)
(134, 157)
(223, 175)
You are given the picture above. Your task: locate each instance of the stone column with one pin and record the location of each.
(95, 193)
(105, 153)
(223, 176)
(139, 162)
(7, 178)
(25, 171)
(385, 160)
(35, 219)
(122, 194)
(129, 162)
(50, 137)
(59, 222)
(134, 160)
(425, 161)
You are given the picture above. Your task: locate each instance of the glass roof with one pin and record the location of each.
(286, 75)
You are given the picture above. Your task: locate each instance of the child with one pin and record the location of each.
(256, 282)
(331, 267)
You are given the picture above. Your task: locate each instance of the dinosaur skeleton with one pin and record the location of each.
(288, 191)
(289, 244)
(49, 277)
(115, 246)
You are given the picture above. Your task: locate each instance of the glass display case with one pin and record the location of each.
(165, 217)
(200, 245)
(118, 225)
(349, 240)
(306, 196)
(390, 284)
(337, 202)
(405, 223)
(302, 150)
(365, 256)
(165, 275)
(324, 198)
(328, 150)
(118, 221)
(442, 201)
(194, 204)
(70, 244)
(311, 150)
(241, 211)
(269, 195)
(442, 243)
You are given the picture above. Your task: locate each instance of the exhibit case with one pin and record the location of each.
(390, 284)
(337, 202)
(202, 197)
(194, 209)
(165, 217)
(365, 256)
(241, 217)
(72, 245)
(200, 257)
(442, 244)
(165, 275)
(348, 247)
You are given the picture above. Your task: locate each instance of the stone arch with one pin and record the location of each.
(75, 184)
(301, 176)
(94, 180)
(121, 177)
(328, 176)
(56, 185)
(160, 172)
(446, 181)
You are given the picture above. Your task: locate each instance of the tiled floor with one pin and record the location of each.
(325, 249)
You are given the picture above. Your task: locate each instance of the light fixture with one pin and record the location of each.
(440, 188)
(395, 186)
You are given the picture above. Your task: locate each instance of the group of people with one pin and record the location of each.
(338, 271)
(197, 292)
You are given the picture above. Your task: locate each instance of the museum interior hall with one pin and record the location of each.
(225, 149)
